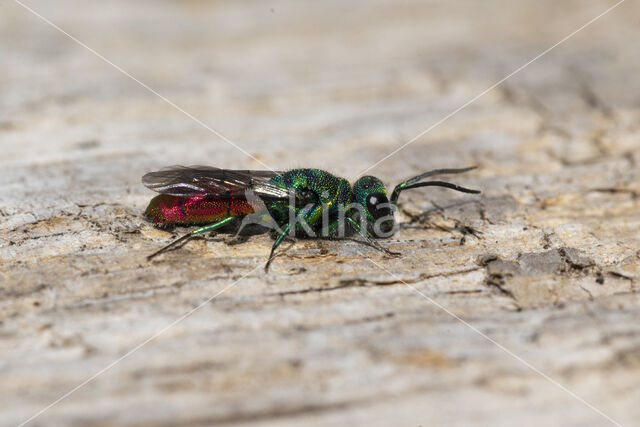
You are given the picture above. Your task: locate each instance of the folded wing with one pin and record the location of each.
(187, 181)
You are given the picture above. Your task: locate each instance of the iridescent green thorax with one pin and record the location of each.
(365, 186)
(324, 190)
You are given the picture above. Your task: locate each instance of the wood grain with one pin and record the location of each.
(336, 333)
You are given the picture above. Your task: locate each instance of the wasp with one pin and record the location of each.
(309, 202)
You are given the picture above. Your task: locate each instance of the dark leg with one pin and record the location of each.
(191, 234)
(285, 231)
(364, 233)
(279, 240)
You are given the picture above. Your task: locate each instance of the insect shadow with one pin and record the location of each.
(236, 233)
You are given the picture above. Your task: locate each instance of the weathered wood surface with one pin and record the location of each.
(327, 337)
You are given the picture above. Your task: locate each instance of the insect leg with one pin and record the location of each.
(306, 213)
(191, 234)
(275, 245)
(364, 233)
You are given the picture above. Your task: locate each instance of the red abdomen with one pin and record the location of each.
(166, 209)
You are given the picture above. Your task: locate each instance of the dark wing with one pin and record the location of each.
(186, 181)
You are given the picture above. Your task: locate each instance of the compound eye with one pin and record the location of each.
(378, 205)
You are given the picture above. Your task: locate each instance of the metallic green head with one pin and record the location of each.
(370, 198)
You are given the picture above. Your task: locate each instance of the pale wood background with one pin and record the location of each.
(327, 337)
